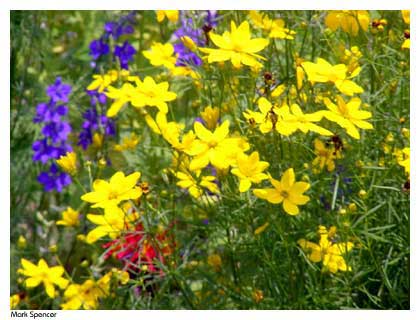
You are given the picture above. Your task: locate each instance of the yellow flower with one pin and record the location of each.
(331, 254)
(129, 143)
(275, 28)
(348, 20)
(186, 72)
(102, 82)
(14, 301)
(325, 156)
(70, 218)
(97, 140)
(211, 117)
(21, 242)
(161, 55)
(150, 93)
(215, 148)
(172, 15)
(249, 170)
(406, 16)
(258, 295)
(261, 229)
(268, 116)
(285, 122)
(195, 187)
(403, 159)
(278, 91)
(42, 273)
(287, 191)
(111, 223)
(111, 193)
(215, 261)
(145, 93)
(68, 163)
(87, 294)
(189, 43)
(296, 119)
(406, 44)
(347, 115)
(171, 131)
(236, 46)
(322, 71)
(120, 96)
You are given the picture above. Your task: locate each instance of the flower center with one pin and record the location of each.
(113, 195)
(212, 143)
(284, 194)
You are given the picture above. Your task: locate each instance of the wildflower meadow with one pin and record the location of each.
(210, 159)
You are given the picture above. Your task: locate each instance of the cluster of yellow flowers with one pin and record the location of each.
(328, 251)
(84, 295)
(108, 196)
(164, 55)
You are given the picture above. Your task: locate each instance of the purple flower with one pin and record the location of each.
(94, 121)
(187, 29)
(125, 54)
(211, 18)
(57, 131)
(44, 151)
(46, 112)
(186, 56)
(116, 29)
(85, 138)
(98, 48)
(59, 91)
(54, 179)
(108, 125)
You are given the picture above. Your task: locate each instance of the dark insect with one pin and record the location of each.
(376, 23)
(337, 142)
(206, 28)
(406, 186)
(268, 76)
(144, 186)
(272, 116)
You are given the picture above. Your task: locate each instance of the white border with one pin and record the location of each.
(214, 4)
(6, 5)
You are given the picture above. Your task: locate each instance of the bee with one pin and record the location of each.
(337, 142)
(272, 117)
(268, 82)
(268, 77)
(144, 186)
(251, 122)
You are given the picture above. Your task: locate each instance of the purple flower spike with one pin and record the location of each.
(54, 179)
(125, 54)
(59, 91)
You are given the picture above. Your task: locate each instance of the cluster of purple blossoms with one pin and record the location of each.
(199, 36)
(115, 29)
(55, 131)
(95, 121)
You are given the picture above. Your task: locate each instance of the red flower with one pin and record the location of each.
(139, 250)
